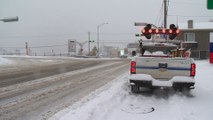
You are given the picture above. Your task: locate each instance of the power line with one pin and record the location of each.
(116, 42)
(35, 46)
(44, 36)
(159, 16)
(49, 46)
(189, 16)
(188, 3)
(35, 36)
(117, 33)
(12, 47)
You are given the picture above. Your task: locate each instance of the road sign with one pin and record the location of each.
(140, 24)
(71, 46)
(210, 4)
(144, 24)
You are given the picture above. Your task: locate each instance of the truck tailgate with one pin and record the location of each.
(163, 68)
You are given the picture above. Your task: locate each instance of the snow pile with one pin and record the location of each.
(156, 53)
(4, 61)
(204, 77)
(147, 53)
(159, 44)
(86, 108)
(115, 102)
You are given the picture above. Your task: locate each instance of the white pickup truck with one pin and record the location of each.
(159, 66)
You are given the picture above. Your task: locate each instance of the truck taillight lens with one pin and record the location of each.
(133, 67)
(193, 69)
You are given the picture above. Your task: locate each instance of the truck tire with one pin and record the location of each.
(135, 89)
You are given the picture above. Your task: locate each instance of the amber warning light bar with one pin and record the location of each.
(160, 31)
(172, 32)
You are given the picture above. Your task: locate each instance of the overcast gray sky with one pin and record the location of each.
(49, 22)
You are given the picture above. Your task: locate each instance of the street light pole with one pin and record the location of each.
(98, 27)
(89, 44)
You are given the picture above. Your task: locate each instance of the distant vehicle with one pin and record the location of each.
(162, 65)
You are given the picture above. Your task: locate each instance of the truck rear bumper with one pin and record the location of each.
(145, 80)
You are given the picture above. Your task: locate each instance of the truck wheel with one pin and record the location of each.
(135, 89)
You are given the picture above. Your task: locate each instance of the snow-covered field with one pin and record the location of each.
(114, 101)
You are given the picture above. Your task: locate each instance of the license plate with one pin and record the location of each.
(162, 65)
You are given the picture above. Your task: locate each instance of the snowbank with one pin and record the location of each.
(4, 61)
(158, 53)
(115, 102)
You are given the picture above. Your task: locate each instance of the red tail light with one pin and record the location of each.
(133, 67)
(193, 69)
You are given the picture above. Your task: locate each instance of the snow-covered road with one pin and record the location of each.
(19, 69)
(40, 98)
(115, 102)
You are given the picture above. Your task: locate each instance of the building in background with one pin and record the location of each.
(109, 51)
(197, 37)
(132, 47)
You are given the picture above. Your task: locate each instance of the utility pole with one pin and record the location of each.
(98, 27)
(165, 13)
(27, 48)
(165, 16)
(89, 43)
